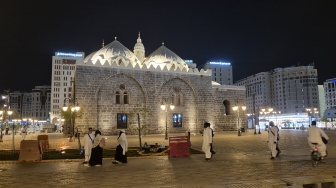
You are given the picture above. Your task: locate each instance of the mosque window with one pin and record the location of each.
(180, 100)
(119, 62)
(177, 120)
(227, 108)
(121, 121)
(117, 97)
(173, 99)
(125, 98)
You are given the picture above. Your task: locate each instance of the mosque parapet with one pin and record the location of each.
(129, 65)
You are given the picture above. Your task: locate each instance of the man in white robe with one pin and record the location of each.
(88, 141)
(207, 141)
(24, 132)
(315, 135)
(272, 139)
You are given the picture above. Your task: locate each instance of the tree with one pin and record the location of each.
(139, 110)
(325, 120)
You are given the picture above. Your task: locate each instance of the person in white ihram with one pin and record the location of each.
(207, 141)
(88, 141)
(315, 135)
(272, 139)
(24, 132)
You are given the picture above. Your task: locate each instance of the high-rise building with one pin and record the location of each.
(62, 80)
(221, 72)
(40, 103)
(322, 100)
(330, 93)
(32, 105)
(258, 91)
(289, 90)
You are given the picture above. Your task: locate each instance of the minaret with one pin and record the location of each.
(139, 50)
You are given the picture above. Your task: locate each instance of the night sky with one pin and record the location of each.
(255, 36)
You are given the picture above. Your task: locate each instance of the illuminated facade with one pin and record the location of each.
(32, 105)
(289, 90)
(221, 72)
(113, 81)
(63, 73)
(330, 93)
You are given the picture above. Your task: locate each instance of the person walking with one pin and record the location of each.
(272, 139)
(24, 132)
(212, 135)
(120, 155)
(277, 144)
(207, 141)
(315, 135)
(88, 141)
(96, 158)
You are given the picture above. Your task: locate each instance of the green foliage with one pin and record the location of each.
(68, 114)
(324, 119)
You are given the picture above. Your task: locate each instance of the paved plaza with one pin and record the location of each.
(240, 161)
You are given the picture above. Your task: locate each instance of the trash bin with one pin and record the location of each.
(178, 146)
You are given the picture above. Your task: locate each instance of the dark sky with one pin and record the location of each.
(254, 36)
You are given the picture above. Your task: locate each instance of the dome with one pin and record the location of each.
(163, 56)
(112, 52)
(87, 58)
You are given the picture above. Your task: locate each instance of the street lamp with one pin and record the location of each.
(9, 112)
(253, 122)
(164, 107)
(308, 112)
(262, 112)
(1, 118)
(276, 116)
(237, 108)
(73, 109)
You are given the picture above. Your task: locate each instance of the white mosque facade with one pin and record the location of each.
(116, 87)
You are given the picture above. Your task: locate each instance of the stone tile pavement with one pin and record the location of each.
(239, 162)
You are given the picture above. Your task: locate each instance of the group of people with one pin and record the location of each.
(315, 137)
(93, 148)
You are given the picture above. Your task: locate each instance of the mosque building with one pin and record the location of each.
(117, 89)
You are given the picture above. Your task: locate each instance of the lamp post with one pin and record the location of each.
(308, 112)
(9, 112)
(1, 118)
(72, 110)
(237, 108)
(270, 110)
(315, 112)
(164, 107)
(276, 116)
(262, 112)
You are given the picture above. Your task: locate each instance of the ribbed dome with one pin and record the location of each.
(112, 51)
(164, 55)
(87, 58)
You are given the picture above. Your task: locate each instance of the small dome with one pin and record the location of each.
(112, 51)
(165, 56)
(87, 58)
